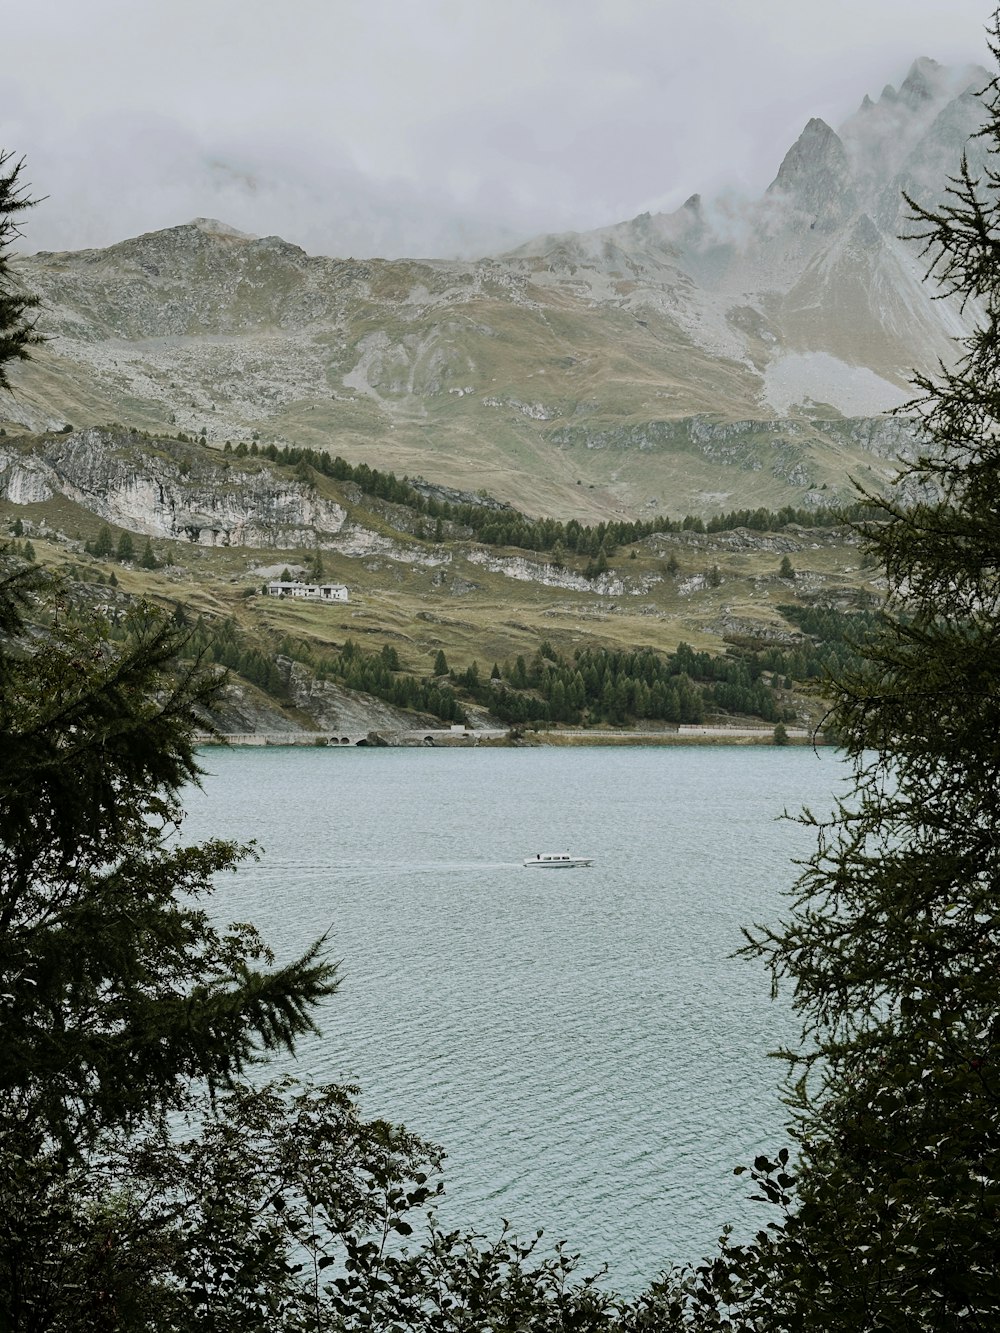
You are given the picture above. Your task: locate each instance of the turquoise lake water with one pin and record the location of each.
(581, 1042)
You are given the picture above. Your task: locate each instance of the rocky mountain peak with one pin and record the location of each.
(815, 178)
(816, 154)
(922, 82)
(927, 88)
(911, 138)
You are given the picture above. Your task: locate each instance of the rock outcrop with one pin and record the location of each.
(166, 488)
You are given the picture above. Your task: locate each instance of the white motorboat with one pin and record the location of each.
(557, 861)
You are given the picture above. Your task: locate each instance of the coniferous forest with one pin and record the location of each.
(593, 687)
(496, 524)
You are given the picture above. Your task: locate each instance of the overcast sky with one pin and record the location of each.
(431, 127)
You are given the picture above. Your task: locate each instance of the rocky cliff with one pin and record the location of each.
(166, 488)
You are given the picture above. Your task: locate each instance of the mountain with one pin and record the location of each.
(725, 355)
(123, 517)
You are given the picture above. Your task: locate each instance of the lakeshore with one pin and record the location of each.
(464, 737)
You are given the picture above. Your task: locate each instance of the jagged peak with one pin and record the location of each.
(928, 80)
(881, 137)
(817, 150)
(817, 128)
(202, 232)
(929, 84)
(922, 80)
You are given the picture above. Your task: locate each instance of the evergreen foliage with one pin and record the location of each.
(103, 545)
(119, 995)
(147, 559)
(892, 948)
(17, 327)
(592, 687)
(598, 686)
(378, 674)
(505, 526)
(125, 550)
(97, 742)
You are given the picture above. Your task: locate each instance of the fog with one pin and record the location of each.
(444, 127)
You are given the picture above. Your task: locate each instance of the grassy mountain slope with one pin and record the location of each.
(409, 593)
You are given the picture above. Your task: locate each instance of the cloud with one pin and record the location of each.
(445, 127)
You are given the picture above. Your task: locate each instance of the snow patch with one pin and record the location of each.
(802, 379)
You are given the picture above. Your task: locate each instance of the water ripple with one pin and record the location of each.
(582, 1043)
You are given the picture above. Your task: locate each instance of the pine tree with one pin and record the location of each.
(118, 993)
(125, 550)
(390, 657)
(103, 545)
(893, 946)
(97, 741)
(17, 328)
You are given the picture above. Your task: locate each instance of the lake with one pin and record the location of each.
(581, 1042)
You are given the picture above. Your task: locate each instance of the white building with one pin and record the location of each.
(317, 592)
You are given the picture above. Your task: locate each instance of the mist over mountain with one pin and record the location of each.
(731, 353)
